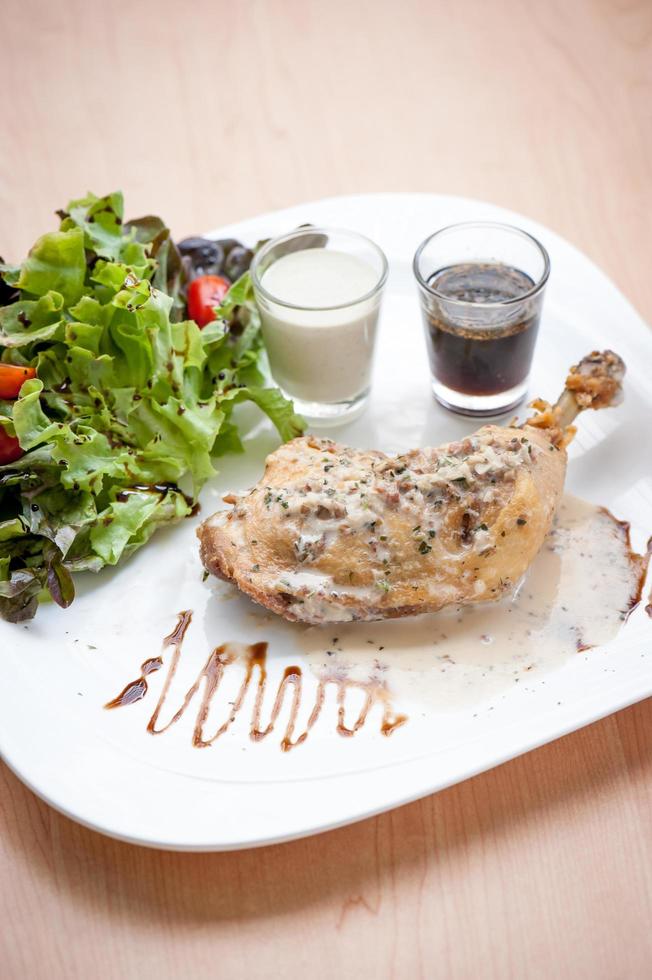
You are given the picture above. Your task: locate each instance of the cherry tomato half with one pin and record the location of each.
(12, 378)
(10, 449)
(204, 294)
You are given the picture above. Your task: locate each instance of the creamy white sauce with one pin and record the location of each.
(320, 355)
(575, 595)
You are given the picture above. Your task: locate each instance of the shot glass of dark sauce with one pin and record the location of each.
(481, 286)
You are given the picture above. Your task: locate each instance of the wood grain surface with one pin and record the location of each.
(207, 112)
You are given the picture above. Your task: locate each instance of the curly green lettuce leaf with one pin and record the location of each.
(57, 263)
(129, 523)
(279, 410)
(28, 320)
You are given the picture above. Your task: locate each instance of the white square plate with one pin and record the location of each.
(103, 768)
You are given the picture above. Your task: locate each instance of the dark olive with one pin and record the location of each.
(206, 256)
(196, 245)
(228, 244)
(189, 272)
(237, 262)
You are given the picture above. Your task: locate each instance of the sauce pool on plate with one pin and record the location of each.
(577, 594)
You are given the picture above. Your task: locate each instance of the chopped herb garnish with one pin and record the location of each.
(284, 504)
(432, 534)
(384, 585)
(521, 520)
(482, 527)
(255, 568)
(424, 548)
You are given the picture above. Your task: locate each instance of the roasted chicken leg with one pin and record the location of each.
(333, 534)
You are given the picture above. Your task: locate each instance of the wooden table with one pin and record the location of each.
(211, 111)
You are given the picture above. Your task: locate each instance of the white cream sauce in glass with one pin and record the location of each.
(319, 307)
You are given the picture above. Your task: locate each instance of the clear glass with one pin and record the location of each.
(321, 345)
(481, 286)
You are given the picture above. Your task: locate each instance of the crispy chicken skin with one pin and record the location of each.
(333, 534)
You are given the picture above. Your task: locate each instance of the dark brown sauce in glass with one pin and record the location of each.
(491, 352)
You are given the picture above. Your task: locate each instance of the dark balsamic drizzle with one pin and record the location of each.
(137, 689)
(254, 659)
(175, 638)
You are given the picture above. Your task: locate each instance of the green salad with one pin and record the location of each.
(120, 403)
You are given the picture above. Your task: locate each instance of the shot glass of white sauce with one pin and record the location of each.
(319, 292)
